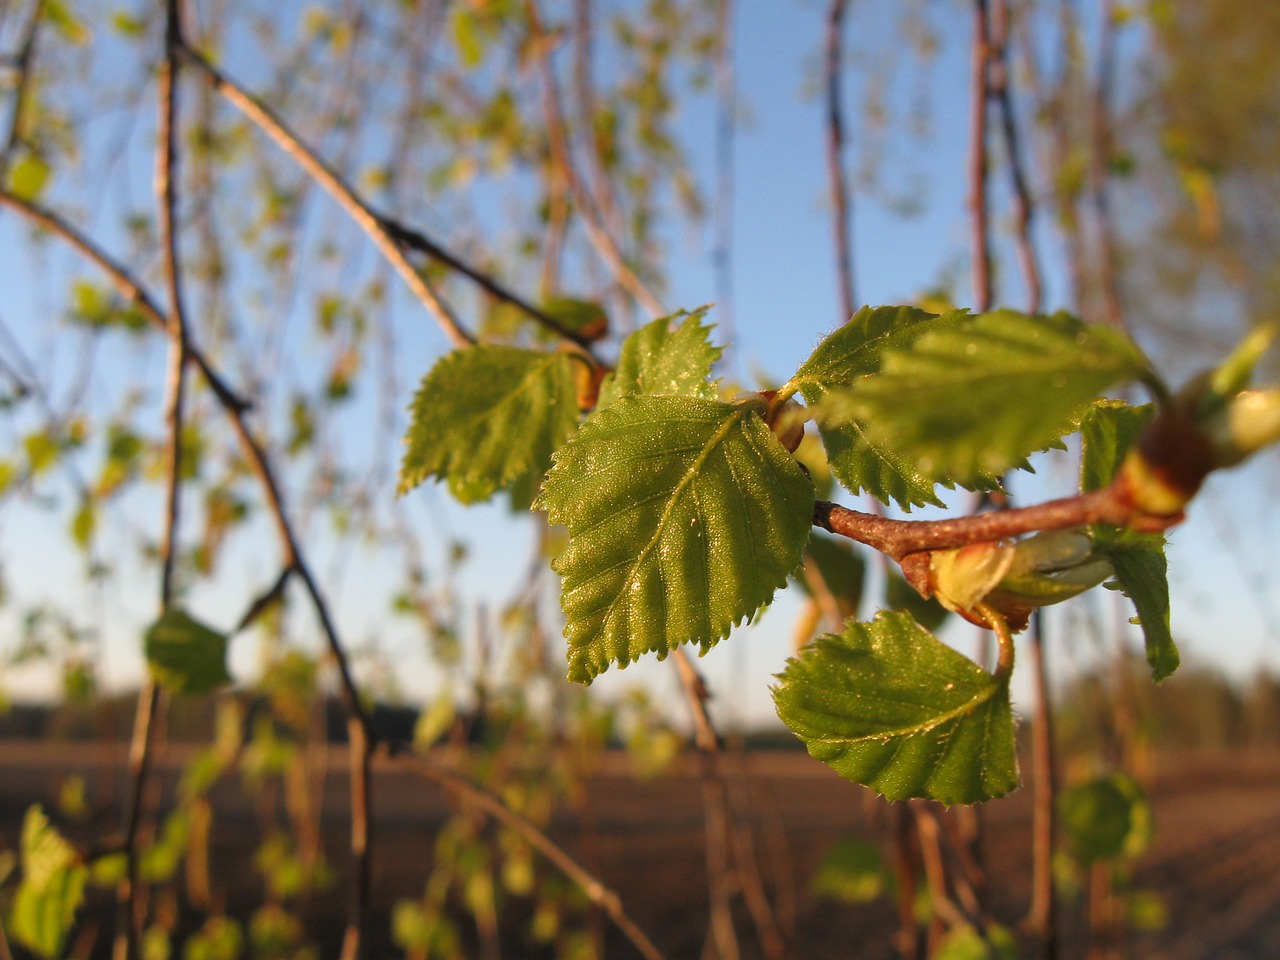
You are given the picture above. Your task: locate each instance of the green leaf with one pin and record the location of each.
(684, 516)
(1106, 818)
(971, 401)
(1142, 574)
(659, 359)
(966, 943)
(1107, 431)
(900, 595)
(52, 888)
(853, 871)
(853, 352)
(184, 655)
(888, 705)
(28, 177)
(486, 417)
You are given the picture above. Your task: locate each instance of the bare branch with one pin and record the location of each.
(979, 213)
(840, 214)
(23, 63)
(338, 189)
(594, 889)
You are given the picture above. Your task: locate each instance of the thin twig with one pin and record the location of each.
(726, 126)
(1099, 167)
(333, 183)
(1023, 206)
(901, 538)
(1042, 919)
(591, 886)
(558, 141)
(837, 184)
(979, 213)
(23, 64)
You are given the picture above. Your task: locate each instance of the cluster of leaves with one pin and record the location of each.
(686, 510)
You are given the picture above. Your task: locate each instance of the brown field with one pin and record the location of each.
(1215, 860)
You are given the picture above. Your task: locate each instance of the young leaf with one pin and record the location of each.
(184, 655)
(486, 417)
(853, 871)
(52, 888)
(1107, 431)
(684, 516)
(888, 705)
(659, 359)
(856, 350)
(1106, 818)
(969, 401)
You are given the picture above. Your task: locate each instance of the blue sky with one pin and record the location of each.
(784, 299)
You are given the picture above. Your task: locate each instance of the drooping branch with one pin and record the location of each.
(602, 241)
(979, 212)
(333, 183)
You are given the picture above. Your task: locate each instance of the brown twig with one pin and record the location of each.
(726, 124)
(337, 188)
(558, 141)
(1042, 919)
(22, 64)
(594, 889)
(1099, 167)
(836, 180)
(1023, 206)
(979, 213)
(901, 538)
(129, 893)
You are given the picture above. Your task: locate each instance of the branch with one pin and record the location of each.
(835, 158)
(558, 141)
(978, 203)
(337, 188)
(594, 889)
(900, 538)
(22, 63)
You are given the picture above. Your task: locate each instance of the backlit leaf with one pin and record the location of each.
(661, 359)
(684, 516)
(486, 417)
(853, 871)
(972, 400)
(888, 705)
(52, 888)
(855, 351)
(184, 655)
(1107, 431)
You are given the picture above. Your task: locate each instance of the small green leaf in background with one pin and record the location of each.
(902, 596)
(28, 177)
(184, 655)
(1106, 818)
(853, 871)
(684, 516)
(966, 943)
(969, 401)
(485, 417)
(52, 889)
(661, 359)
(853, 352)
(1107, 432)
(888, 705)
(841, 568)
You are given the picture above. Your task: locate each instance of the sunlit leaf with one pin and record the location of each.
(972, 400)
(888, 705)
(856, 350)
(28, 176)
(967, 943)
(52, 888)
(184, 655)
(485, 417)
(684, 516)
(1108, 430)
(668, 356)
